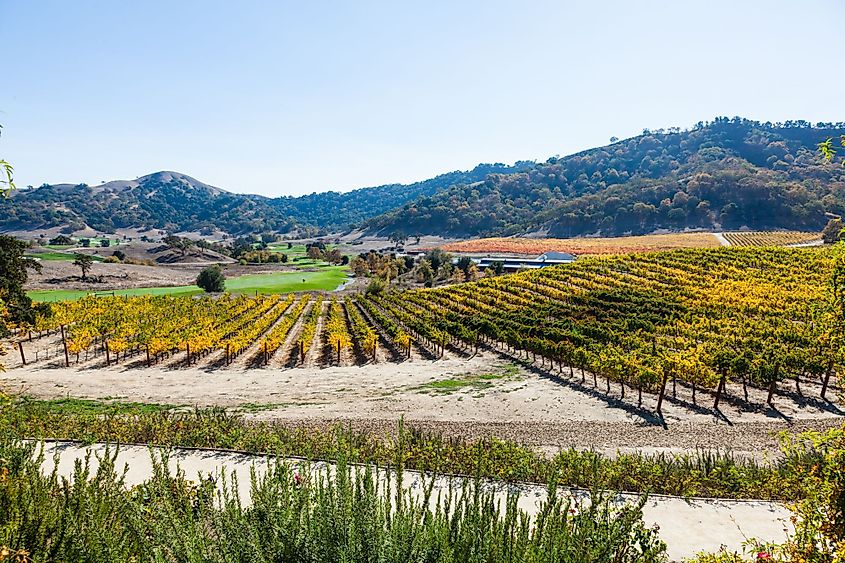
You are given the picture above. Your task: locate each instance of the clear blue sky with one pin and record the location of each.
(293, 97)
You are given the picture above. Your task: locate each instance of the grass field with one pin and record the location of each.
(326, 279)
(66, 256)
(95, 243)
(295, 250)
(611, 245)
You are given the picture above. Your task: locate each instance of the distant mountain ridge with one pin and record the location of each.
(174, 201)
(724, 174)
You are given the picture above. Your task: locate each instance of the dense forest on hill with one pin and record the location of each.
(341, 209)
(164, 200)
(725, 174)
(176, 202)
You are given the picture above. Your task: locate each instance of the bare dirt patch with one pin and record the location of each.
(483, 395)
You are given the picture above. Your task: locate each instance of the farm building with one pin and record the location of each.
(512, 264)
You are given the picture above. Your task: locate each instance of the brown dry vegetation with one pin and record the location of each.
(612, 245)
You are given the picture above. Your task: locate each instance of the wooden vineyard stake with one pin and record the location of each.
(266, 355)
(719, 391)
(773, 385)
(302, 352)
(227, 353)
(771, 391)
(108, 357)
(20, 347)
(64, 344)
(827, 375)
(662, 393)
(188, 351)
(148, 355)
(338, 353)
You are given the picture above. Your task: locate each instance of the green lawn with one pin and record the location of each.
(57, 256)
(327, 279)
(295, 251)
(45, 295)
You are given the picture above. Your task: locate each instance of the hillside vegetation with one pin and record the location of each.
(723, 175)
(755, 316)
(176, 202)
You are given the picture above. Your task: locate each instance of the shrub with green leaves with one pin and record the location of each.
(211, 279)
(703, 473)
(299, 513)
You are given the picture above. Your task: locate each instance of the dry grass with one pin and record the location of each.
(611, 245)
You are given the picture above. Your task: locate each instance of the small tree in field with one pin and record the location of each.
(212, 280)
(84, 262)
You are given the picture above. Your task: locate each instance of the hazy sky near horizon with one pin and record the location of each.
(293, 97)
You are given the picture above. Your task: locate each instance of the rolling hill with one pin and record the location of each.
(164, 200)
(176, 202)
(725, 174)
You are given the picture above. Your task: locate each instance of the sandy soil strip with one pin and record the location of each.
(386, 349)
(754, 440)
(313, 358)
(284, 355)
(686, 525)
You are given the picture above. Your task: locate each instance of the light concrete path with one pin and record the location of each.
(818, 242)
(722, 240)
(686, 525)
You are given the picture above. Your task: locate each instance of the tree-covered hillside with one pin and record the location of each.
(341, 209)
(725, 174)
(176, 202)
(164, 200)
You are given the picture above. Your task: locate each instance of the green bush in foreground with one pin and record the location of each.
(701, 474)
(298, 514)
(818, 460)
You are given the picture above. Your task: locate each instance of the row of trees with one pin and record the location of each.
(435, 267)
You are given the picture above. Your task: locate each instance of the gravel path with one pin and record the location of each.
(760, 437)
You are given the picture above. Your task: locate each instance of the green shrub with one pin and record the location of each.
(211, 279)
(300, 513)
(699, 474)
